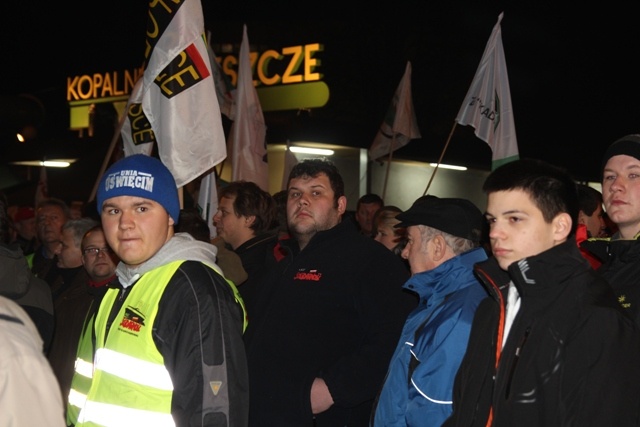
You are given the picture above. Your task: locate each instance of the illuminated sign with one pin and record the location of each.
(284, 80)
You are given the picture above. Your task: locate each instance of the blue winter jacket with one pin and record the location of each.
(419, 384)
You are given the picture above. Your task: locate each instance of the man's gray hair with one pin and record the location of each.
(457, 244)
(79, 227)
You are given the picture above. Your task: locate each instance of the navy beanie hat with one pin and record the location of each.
(144, 176)
(628, 145)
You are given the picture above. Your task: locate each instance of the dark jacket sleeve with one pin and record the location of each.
(383, 307)
(198, 331)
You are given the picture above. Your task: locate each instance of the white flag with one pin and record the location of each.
(175, 104)
(400, 125)
(208, 201)
(224, 90)
(487, 106)
(247, 139)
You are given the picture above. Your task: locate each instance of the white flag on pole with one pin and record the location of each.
(175, 104)
(400, 121)
(247, 139)
(208, 200)
(224, 90)
(487, 105)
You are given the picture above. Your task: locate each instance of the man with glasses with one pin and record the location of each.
(100, 264)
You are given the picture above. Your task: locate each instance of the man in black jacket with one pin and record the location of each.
(327, 316)
(245, 221)
(621, 195)
(552, 347)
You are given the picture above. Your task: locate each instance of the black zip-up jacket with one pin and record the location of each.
(621, 268)
(571, 358)
(334, 310)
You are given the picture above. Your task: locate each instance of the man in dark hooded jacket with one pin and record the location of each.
(552, 347)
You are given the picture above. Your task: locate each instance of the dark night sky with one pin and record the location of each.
(573, 71)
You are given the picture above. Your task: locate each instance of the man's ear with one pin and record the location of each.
(249, 220)
(342, 205)
(562, 226)
(581, 217)
(439, 248)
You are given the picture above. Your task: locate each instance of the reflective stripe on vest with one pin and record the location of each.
(131, 385)
(83, 370)
(132, 369)
(114, 415)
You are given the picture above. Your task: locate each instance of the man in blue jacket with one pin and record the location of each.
(443, 245)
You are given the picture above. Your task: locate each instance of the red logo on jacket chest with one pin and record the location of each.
(311, 275)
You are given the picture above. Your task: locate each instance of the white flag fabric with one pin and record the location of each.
(174, 105)
(487, 106)
(208, 200)
(399, 125)
(42, 192)
(224, 89)
(247, 138)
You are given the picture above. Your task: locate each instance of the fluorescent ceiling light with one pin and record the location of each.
(57, 163)
(443, 166)
(308, 150)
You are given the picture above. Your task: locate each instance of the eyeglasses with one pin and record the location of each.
(93, 252)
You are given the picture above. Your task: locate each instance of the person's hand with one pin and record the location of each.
(321, 399)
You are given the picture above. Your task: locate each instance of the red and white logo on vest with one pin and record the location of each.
(132, 321)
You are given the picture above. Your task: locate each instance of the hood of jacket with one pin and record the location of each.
(180, 247)
(449, 276)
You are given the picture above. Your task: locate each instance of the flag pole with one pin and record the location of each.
(441, 156)
(107, 158)
(386, 176)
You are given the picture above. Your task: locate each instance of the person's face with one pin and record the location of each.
(49, 221)
(234, 229)
(517, 228)
(594, 222)
(311, 207)
(416, 252)
(387, 236)
(135, 228)
(27, 228)
(364, 216)
(102, 265)
(69, 254)
(621, 193)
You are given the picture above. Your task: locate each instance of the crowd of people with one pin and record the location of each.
(301, 313)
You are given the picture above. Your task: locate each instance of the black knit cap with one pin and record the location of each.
(628, 145)
(458, 217)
